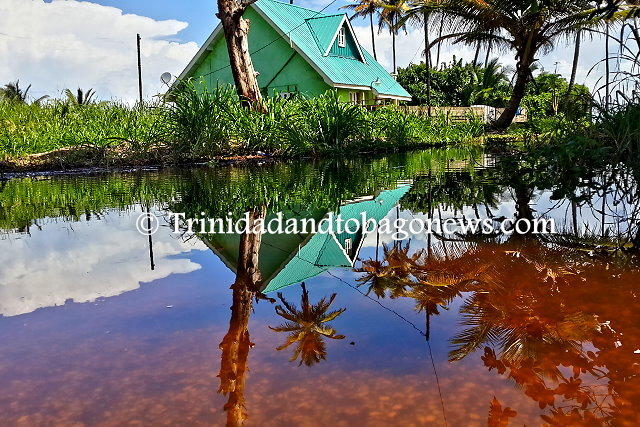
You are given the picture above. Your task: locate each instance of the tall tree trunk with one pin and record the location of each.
(427, 49)
(236, 31)
(427, 59)
(236, 343)
(574, 68)
(607, 69)
(475, 58)
(393, 44)
(486, 58)
(523, 74)
(373, 37)
(439, 43)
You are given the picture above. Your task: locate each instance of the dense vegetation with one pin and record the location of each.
(200, 124)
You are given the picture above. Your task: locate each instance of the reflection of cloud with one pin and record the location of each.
(83, 261)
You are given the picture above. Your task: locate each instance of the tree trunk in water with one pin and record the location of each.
(236, 30)
(574, 68)
(523, 73)
(236, 343)
(373, 38)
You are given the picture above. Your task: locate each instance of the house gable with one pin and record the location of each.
(348, 49)
(286, 45)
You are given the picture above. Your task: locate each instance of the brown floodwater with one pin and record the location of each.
(359, 329)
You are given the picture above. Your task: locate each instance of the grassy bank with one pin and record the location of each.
(201, 125)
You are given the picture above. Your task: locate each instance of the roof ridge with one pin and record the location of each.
(295, 5)
(324, 16)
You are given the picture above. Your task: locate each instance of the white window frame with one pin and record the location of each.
(342, 38)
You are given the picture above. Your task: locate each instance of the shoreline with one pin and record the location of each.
(97, 160)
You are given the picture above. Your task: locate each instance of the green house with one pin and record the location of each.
(299, 51)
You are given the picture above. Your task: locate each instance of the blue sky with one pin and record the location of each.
(59, 44)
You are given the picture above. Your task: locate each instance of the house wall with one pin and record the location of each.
(350, 50)
(281, 68)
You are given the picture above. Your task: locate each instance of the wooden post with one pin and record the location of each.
(139, 68)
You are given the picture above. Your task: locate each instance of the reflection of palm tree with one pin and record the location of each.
(307, 327)
(517, 316)
(393, 273)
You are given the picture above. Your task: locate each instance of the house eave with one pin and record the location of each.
(375, 92)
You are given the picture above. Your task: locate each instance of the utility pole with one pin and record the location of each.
(139, 68)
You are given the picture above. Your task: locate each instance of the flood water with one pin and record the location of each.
(102, 325)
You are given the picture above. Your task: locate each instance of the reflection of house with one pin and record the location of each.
(297, 50)
(287, 259)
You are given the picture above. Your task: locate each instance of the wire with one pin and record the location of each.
(273, 41)
(433, 365)
(415, 54)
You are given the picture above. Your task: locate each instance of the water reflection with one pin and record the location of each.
(538, 328)
(307, 327)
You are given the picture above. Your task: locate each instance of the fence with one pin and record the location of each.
(487, 113)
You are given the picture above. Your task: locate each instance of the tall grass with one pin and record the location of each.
(28, 129)
(201, 123)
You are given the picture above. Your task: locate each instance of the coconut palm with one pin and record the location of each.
(307, 327)
(364, 9)
(390, 15)
(574, 68)
(526, 27)
(13, 93)
(80, 97)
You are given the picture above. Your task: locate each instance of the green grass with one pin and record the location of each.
(203, 124)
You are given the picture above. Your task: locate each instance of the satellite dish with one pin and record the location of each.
(166, 78)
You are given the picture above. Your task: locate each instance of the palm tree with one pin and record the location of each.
(389, 18)
(526, 27)
(440, 31)
(420, 15)
(12, 92)
(363, 9)
(574, 68)
(81, 97)
(307, 327)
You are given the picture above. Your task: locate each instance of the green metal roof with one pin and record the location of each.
(309, 31)
(324, 28)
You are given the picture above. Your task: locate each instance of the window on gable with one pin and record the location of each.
(342, 39)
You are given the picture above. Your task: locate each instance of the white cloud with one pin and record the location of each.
(409, 49)
(70, 44)
(83, 261)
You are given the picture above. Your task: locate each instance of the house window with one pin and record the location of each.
(342, 39)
